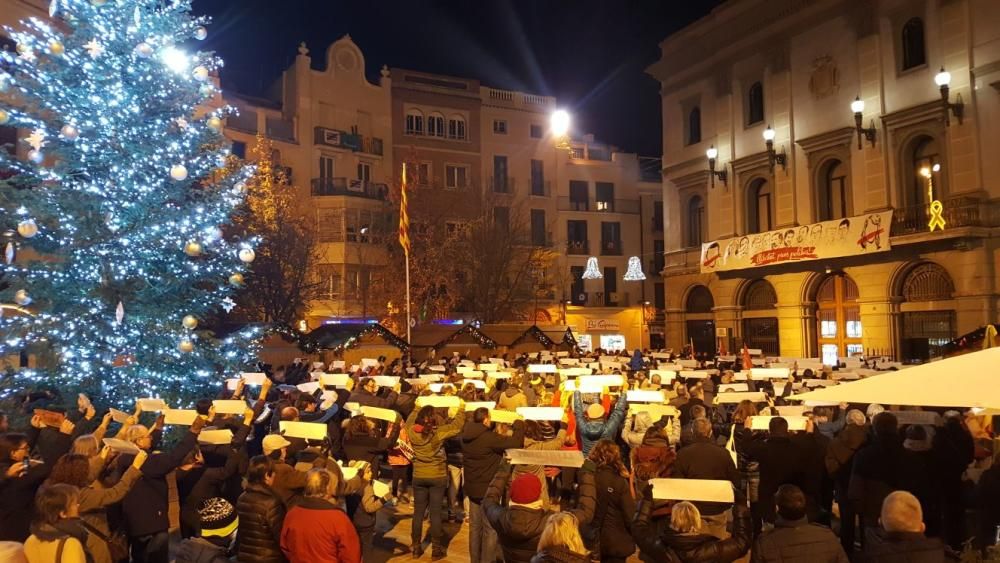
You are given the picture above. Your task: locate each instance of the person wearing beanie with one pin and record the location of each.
(540, 435)
(593, 425)
(519, 525)
(218, 523)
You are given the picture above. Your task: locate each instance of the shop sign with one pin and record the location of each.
(862, 234)
(602, 324)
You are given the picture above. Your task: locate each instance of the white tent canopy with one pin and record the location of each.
(969, 380)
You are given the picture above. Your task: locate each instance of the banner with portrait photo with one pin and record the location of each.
(862, 234)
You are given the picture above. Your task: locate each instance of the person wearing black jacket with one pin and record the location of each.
(609, 534)
(901, 539)
(785, 459)
(363, 442)
(704, 459)
(146, 508)
(794, 539)
(482, 450)
(18, 485)
(683, 542)
(877, 471)
(262, 513)
(953, 450)
(520, 525)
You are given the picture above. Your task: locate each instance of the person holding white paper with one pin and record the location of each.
(704, 459)
(591, 421)
(540, 435)
(686, 540)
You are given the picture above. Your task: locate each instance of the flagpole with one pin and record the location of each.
(409, 317)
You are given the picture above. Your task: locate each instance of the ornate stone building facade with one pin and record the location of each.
(848, 92)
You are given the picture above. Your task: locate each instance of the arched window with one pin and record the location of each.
(755, 103)
(414, 122)
(832, 197)
(699, 300)
(760, 296)
(923, 154)
(435, 125)
(696, 221)
(456, 127)
(928, 282)
(759, 216)
(928, 325)
(914, 54)
(694, 126)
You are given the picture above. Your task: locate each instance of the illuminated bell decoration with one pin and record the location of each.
(201, 33)
(200, 73)
(69, 132)
(186, 346)
(236, 279)
(21, 297)
(36, 156)
(56, 48)
(190, 322)
(214, 123)
(144, 50)
(593, 271)
(179, 172)
(27, 228)
(634, 272)
(192, 248)
(247, 255)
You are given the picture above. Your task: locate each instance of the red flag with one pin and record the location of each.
(747, 364)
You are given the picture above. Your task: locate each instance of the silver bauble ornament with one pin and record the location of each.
(201, 33)
(214, 123)
(236, 279)
(192, 248)
(9, 253)
(247, 255)
(200, 73)
(179, 172)
(36, 156)
(21, 297)
(190, 322)
(186, 346)
(240, 187)
(27, 228)
(69, 132)
(144, 50)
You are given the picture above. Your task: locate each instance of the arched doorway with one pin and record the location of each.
(838, 319)
(700, 322)
(760, 317)
(927, 312)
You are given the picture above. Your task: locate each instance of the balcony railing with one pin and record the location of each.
(500, 185)
(344, 186)
(578, 247)
(626, 206)
(600, 298)
(611, 247)
(538, 240)
(350, 141)
(541, 189)
(957, 212)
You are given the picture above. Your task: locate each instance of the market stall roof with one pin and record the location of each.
(969, 380)
(558, 334)
(333, 336)
(436, 336)
(504, 334)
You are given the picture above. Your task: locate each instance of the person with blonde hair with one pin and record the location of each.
(560, 541)
(685, 540)
(316, 529)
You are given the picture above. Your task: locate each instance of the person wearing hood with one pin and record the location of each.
(839, 460)
(482, 451)
(794, 539)
(217, 525)
(592, 424)
(519, 526)
(704, 459)
(878, 467)
(512, 398)
(57, 533)
(560, 541)
(430, 473)
(684, 541)
(637, 363)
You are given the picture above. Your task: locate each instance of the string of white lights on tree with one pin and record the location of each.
(121, 202)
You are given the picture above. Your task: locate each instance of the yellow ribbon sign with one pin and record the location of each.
(937, 221)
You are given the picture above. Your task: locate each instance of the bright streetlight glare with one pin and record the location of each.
(176, 60)
(559, 122)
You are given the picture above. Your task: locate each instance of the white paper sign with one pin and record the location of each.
(555, 458)
(574, 372)
(380, 489)
(254, 378)
(307, 430)
(769, 373)
(666, 375)
(119, 416)
(478, 383)
(542, 368)
(152, 405)
(795, 423)
(308, 387)
(121, 446)
(500, 375)
(791, 410)
(469, 407)
(697, 490)
(540, 413)
(644, 396)
(438, 401)
(740, 387)
(380, 413)
(334, 379)
(232, 406)
(216, 437)
(368, 362)
(736, 397)
(504, 417)
(179, 417)
(693, 374)
(601, 381)
(929, 418)
(488, 367)
(338, 364)
(385, 380)
(819, 382)
(656, 412)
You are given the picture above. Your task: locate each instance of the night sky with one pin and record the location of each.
(589, 54)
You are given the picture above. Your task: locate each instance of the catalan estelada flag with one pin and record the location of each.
(404, 216)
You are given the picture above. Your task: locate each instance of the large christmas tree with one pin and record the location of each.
(120, 203)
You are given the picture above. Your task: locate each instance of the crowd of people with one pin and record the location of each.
(855, 484)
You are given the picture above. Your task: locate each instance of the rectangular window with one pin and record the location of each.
(605, 196)
(239, 149)
(579, 196)
(658, 258)
(500, 126)
(330, 225)
(414, 124)
(659, 296)
(538, 227)
(364, 172)
(456, 177)
(418, 173)
(610, 285)
(500, 180)
(330, 279)
(611, 238)
(501, 218)
(326, 167)
(657, 216)
(538, 178)
(576, 231)
(536, 131)
(577, 291)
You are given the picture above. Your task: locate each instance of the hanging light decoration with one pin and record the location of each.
(593, 271)
(634, 272)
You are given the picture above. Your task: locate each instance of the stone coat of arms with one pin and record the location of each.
(824, 80)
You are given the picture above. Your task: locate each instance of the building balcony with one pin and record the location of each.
(611, 248)
(957, 212)
(581, 298)
(350, 141)
(499, 185)
(354, 188)
(541, 188)
(578, 247)
(624, 206)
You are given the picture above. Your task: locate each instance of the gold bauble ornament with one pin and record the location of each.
(179, 172)
(69, 132)
(214, 123)
(190, 322)
(186, 346)
(4, 117)
(200, 73)
(236, 279)
(247, 255)
(27, 228)
(56, 48)
(22, 297)
(192, 248)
